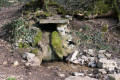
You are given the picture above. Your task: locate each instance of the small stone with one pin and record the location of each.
(78, 74)
(16, 63)
(113, 76)
(84, 58)
(33, 62)
(28, 55)
(108, 55)
(103, 71)
(61, 75)
(61, 29)
(101, 51)
(68, 17)
(5, 63)
(92, 64)
(90, 52)
(69, 38)
(72, 56)
(101, 56)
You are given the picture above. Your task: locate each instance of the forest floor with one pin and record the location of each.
(47, 70)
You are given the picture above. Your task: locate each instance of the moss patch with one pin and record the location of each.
(23, 45)
(37, 38)
(57, 46)
(34, 51)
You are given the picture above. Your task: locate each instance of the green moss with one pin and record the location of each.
(23, 45)
(57, 46)
(37, 38)
(34, 51)
(11, 79)
(20, 45)
(51, 3)
(46, 14)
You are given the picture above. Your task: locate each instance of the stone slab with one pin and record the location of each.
(48, 21)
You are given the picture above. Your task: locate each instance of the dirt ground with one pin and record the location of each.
(47, 70)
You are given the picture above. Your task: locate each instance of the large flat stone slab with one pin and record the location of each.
(49, 21)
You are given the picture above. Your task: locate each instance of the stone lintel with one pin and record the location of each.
(48, 21)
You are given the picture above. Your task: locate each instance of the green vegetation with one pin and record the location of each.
(24, 45)
(37, 38)
(45, 14)
(34, 51)
(16, 31)
(57, 44)
(11, 79)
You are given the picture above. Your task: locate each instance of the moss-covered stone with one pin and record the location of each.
(35, 51)
(57, 44)
(37, 38)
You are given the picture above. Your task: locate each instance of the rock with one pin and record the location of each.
(67, 30)
(28, 55)
(79, 78)
(108, 55)
(31, 23)
(72, 56)
(101, 56)
(101, 51)
(92, 64)
(84, 58)
(95, 71)
(5, 63)
(33, 62)
(107, 64)
(61, 29)
(91, 58)
(68, 17)
(16, 63)
(103, 71)
(78, 74)
(57, 45)
(69, 38)
(61, 75)
(113, 76)
(59, 21)
(90, 52)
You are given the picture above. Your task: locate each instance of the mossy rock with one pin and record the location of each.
(34, 51)
(57, 44)
(24, 45)
(37, 38)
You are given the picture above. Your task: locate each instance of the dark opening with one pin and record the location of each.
(48, 27)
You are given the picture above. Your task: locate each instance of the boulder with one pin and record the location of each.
(57, 45)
